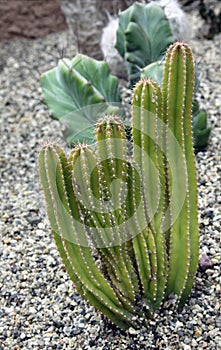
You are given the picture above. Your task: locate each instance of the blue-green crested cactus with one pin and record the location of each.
(125, 223)
(77, 92)
(143, 36)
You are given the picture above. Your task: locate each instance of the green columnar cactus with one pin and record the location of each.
(126, 224)
(177, 93)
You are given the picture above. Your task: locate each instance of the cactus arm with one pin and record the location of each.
(83, 163)
(85, 293)
(147, 104)
(143, 263)
(137, 227)
(120, 321)
(177, 95)
(77, 282)
(45, 184)
(112, 154)
(192, 179)
(140, 244)
(117, 319)
(55, 229)
(153, 126)
(174, 80)
(143, 239)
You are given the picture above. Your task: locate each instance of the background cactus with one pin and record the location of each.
(201, 130)
(143, 35)
(126, 225)
(153, 71)
(77, 92)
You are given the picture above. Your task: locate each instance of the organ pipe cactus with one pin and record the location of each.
(125, 223)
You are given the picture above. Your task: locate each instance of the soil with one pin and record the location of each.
(30, 18)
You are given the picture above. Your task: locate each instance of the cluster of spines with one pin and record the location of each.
(136, 256)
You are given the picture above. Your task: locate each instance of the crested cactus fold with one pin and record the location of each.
(143, 35)
(77, 92)
(125, 222)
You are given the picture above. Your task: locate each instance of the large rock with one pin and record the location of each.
(87, 18)
(30, 19)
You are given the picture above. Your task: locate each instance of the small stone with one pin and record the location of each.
(218, 322)
(133, 331)
(81, 325)
(58, 324)
(205, 263)
(194, 342)
(23, 336)
(198, 331)
(33, 219)
(41, 226)
(178, 325)
(186, 347)
(76, 331)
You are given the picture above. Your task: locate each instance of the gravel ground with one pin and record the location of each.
(39, 306)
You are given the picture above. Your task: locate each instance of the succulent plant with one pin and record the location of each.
(77, 92)
(143, 35)
(201, 130)
(153, 71)
(126, 224)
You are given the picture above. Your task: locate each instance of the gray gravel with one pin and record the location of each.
(39, 306)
